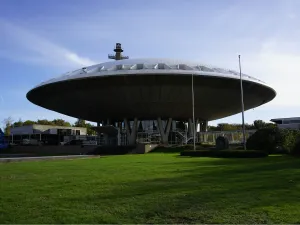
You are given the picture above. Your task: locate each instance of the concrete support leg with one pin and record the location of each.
(119, 136)
(205, 125)
(164, 133)
(190, 130)
(232, 137)
(203, 128)
(105, 139)
(196, 128)
(192, 127)
(131, 132)
(173, 125)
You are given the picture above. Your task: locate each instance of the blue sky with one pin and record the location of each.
(43, 39)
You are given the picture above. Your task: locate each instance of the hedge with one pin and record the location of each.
(112, 150)
(266, 139)
(274, 140)
(167, 149)
(225, 153)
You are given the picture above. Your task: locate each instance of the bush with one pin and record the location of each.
(198, 147)
(164, 149)
(296, 149)
(274, 140)
(179, 148)
(225, 153)
(265, 139)
(222, 143)
(289, 139)
(112, 150)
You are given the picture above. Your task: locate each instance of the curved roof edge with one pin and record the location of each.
(150, 66)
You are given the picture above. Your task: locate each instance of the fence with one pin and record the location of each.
(175, 137)
(234, 137)
(182, 137)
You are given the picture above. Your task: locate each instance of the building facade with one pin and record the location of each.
(48, 129)
(287, 123)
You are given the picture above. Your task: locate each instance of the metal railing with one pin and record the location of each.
(176, 137)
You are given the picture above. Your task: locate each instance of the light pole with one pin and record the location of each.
(193, 103)
(242, 103)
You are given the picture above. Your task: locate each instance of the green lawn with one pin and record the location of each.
(151, 188)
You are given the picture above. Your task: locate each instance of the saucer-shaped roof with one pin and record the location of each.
(149, 88)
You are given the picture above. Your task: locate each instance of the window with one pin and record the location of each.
(139, 66)
(181, 67)
(119, 67)
(161, 66)
(294, 121)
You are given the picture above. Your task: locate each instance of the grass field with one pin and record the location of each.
(152, 188)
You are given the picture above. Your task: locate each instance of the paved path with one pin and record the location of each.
(20, 159)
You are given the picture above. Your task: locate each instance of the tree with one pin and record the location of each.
(259, 124)
(88, 126)
(249, 126)
(44, 122)
(29, 122)
(228, 127)
(89, 129)
(18, 124)
(8, 124)
(80, 123)
(212, 128)
(61, 122)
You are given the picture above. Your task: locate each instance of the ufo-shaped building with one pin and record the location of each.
(123, 93)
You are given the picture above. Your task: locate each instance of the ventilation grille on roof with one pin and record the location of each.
(149, 66)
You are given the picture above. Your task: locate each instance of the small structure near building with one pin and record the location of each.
(287, 123)
(47, 129)
(45, 134)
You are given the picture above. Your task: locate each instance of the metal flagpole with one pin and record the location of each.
(193, 112)
(242, 103)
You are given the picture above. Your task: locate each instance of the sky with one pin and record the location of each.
(40, 40)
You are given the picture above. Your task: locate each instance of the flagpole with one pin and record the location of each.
(242, 103)
(193, 102)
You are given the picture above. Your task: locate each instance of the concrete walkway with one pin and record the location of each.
(21, 159)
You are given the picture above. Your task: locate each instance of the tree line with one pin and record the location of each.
(8, 123)
(256, 125)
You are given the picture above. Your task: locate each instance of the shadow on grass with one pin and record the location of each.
(212, 191)
(178, 149)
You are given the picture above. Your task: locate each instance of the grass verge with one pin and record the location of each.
(152, 188)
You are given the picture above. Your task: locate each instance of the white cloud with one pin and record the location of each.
(292, 16)
(276, 63)
(32, 48)
(279, 67)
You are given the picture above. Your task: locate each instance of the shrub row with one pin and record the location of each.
(167, 149)
(112, 150)
(225, 153)
(179, 148)
(274, 140)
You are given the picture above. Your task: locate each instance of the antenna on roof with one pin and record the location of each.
(118, 50)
